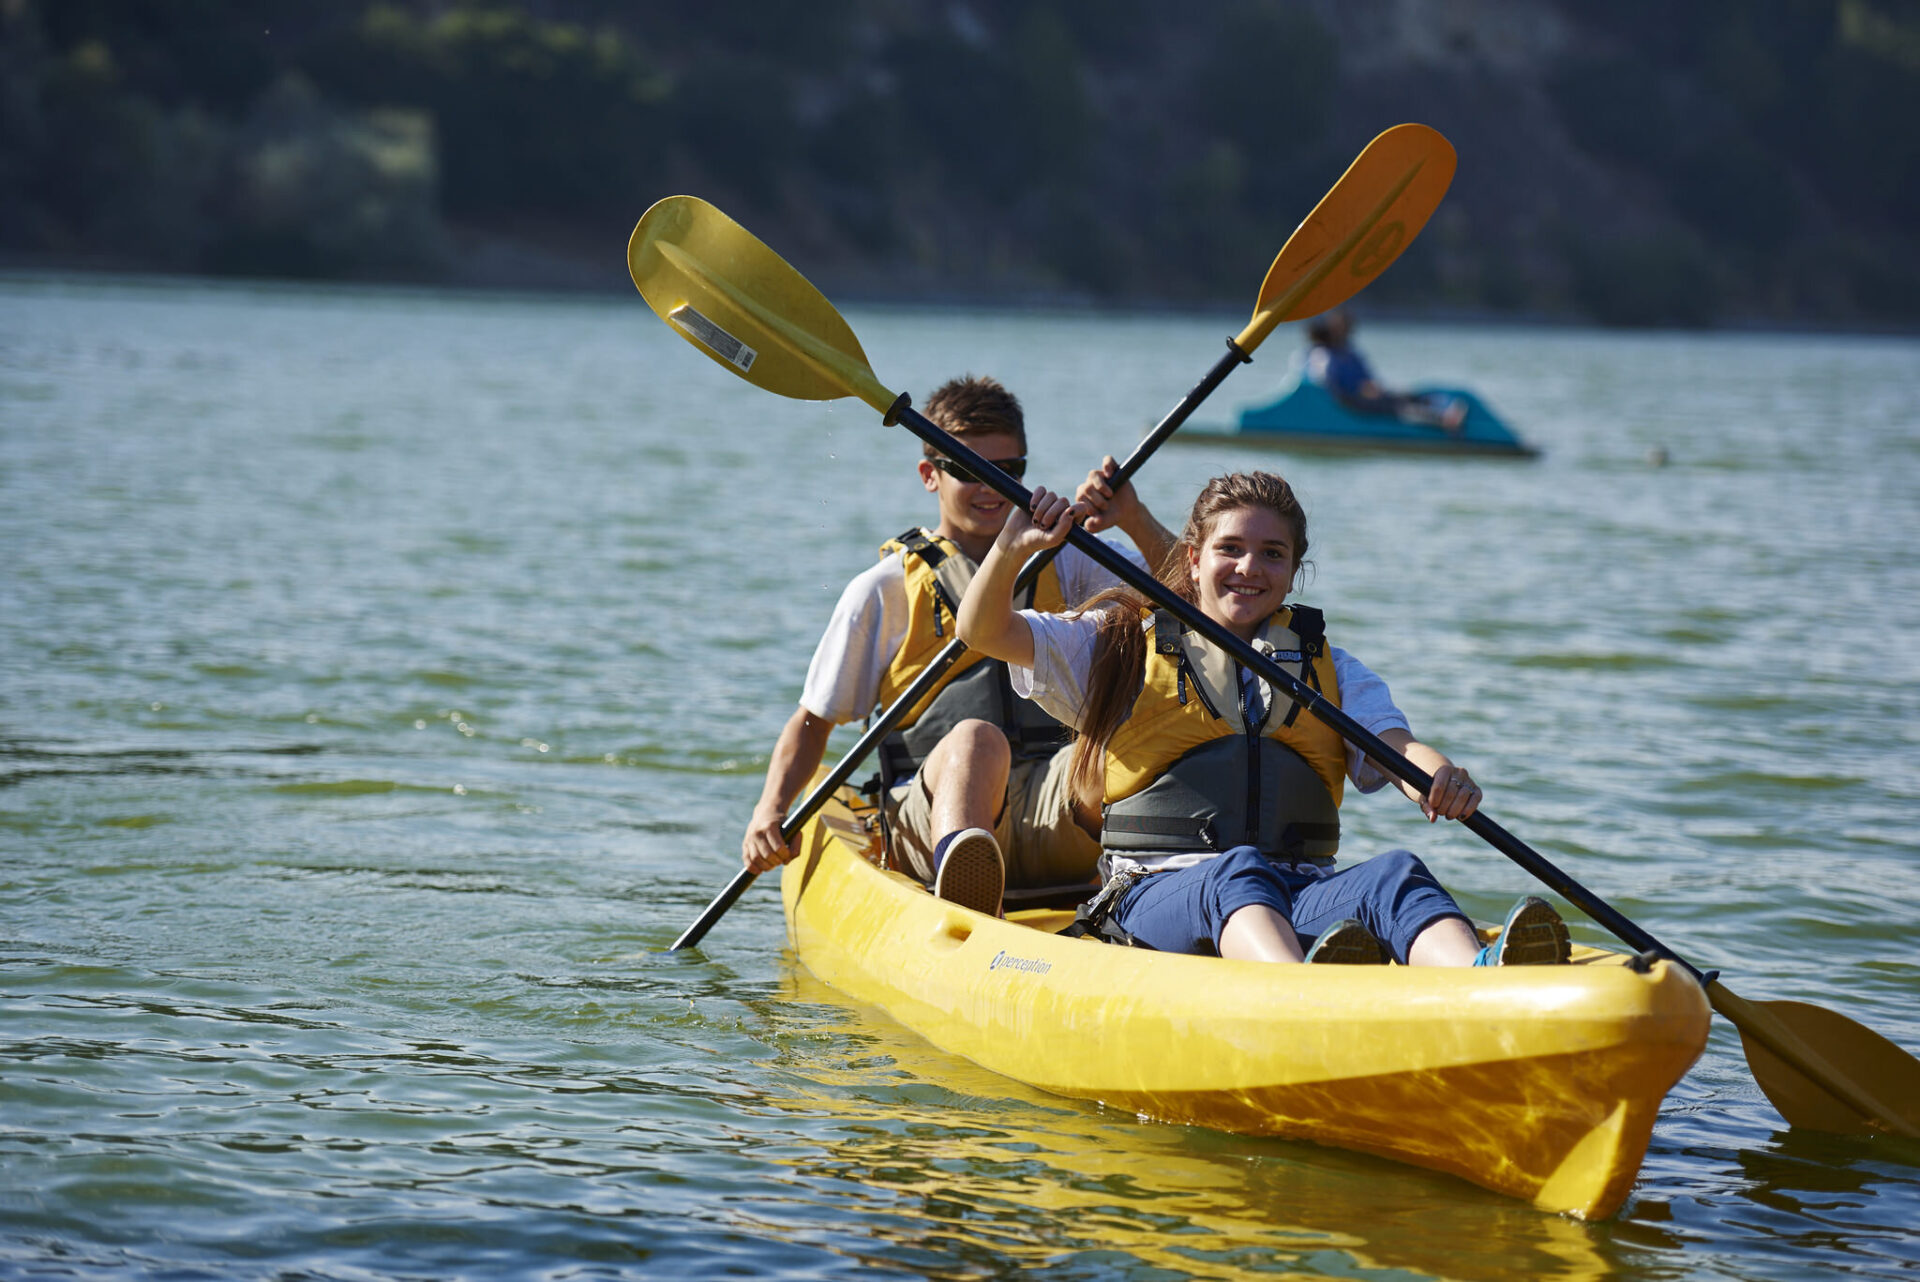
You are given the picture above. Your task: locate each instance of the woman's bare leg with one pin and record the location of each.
(1446, 942)
(1258, 933)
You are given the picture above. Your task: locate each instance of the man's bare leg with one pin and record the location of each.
(966, 780)
(966, 777)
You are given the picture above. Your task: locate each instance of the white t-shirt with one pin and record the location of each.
(869, 625)
(1063, 663)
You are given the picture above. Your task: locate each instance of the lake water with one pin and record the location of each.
(385, 678)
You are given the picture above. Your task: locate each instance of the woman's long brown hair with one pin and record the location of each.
(1120, 643)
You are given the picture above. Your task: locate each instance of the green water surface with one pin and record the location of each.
(385, 679)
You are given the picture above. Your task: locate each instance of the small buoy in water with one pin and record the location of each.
(1657, 456)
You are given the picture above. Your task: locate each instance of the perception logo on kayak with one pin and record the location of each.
(1004, 960)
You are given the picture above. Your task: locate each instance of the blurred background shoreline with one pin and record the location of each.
(1716, 165)
(30, 273)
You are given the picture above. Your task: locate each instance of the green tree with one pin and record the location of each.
(531, 115)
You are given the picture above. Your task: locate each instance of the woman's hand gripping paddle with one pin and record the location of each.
(745, 307)
(1354, 233)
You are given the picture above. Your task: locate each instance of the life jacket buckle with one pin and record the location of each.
(1094, 919)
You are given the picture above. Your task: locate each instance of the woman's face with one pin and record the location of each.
(1244, 568)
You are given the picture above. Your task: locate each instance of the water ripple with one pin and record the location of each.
(386, 676)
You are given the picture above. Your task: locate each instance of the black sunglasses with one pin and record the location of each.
(1014, 467)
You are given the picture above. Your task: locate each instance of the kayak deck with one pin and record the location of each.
(1538, 1082)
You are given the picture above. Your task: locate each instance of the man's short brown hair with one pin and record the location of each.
(974, 406)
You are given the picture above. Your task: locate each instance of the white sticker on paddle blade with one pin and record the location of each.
(722, 344)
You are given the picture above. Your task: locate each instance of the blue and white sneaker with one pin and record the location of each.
(1532, 935)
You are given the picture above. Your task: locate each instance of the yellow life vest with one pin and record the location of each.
(1184, 774)
(937, 575)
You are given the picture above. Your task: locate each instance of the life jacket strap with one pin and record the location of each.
(1167, 631)
(917, 543)
(929, 550)
(1192, 829)
(1310, 625)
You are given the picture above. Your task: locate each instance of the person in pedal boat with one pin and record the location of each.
(1333, 363)
(1218, 802)
(974, 778)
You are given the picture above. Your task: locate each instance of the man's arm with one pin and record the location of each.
(868, 621)
(797, 754)
(1110, 507)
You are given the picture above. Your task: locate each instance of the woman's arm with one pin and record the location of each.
(988, 622)
(1453, 795)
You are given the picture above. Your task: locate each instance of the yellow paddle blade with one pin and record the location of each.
(721, 289)
(1357, 230)
(1824, 1071)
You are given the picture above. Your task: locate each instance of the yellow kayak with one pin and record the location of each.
(1538, 1082)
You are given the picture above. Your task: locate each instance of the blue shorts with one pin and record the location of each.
(1184, 910)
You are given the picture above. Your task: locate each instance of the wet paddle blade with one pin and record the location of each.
(1357, 230)
(1824, 1071)
(721, 289)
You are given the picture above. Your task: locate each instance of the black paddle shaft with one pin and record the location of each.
(1299, 691)
(950, 655)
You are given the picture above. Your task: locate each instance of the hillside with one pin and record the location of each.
(1720, 162)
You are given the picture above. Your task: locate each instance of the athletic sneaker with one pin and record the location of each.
(970, 871)
(1532, 935)
(1348, 943)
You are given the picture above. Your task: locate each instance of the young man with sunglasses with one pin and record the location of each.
(975, 791)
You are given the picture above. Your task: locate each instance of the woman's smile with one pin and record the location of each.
(1244, 570)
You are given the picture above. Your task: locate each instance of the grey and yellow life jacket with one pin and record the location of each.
(1186, 774)
(938, 573)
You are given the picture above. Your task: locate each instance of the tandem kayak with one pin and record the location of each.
(1306, 417)
(1539, 1082)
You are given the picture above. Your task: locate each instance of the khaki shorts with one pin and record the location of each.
(1036, 830)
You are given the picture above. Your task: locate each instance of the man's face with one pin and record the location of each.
(972, 509)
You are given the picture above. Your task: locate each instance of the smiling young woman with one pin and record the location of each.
(1217, 803)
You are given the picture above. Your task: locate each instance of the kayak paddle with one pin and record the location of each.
(1372, 214)
(726, 292)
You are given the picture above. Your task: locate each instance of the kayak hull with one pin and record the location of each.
(1538, 1082)
(1306, 417)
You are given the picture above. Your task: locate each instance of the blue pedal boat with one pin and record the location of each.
(1306, 417)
